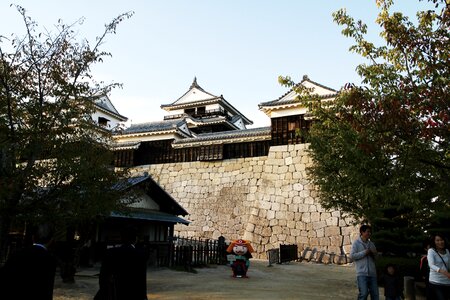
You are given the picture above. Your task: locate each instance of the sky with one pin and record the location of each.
(235, 48)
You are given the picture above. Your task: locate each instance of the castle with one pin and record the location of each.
(234, 181)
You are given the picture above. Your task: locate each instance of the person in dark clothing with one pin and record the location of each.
(123, 274)
(393, 284)
(30, 273)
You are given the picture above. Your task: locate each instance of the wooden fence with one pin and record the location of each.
(192, 252)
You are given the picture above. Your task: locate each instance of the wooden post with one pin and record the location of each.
(409, 288)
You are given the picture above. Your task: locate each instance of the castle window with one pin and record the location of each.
(201, 110)
(212, 152)
(290, 130)
(102, 121)
(189, 111)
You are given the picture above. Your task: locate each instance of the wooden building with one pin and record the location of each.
(152, 210)
(289, 118)
(201, 126)
(198, 126)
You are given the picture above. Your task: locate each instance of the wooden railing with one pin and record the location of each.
(192, 252)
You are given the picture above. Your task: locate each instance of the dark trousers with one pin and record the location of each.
(440, 292)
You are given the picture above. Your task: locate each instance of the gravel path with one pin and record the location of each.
(295, 280)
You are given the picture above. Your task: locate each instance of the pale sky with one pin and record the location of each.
(235, 48)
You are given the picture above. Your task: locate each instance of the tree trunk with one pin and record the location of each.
(5, 226)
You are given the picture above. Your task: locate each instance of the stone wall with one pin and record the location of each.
(267, 200)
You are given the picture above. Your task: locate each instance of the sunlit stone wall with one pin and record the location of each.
(267, 200)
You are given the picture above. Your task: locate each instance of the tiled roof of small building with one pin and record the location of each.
(166, 202)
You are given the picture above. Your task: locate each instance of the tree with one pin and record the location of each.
(381, 150)
(55, 162)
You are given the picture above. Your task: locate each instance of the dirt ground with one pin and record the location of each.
(295, 280)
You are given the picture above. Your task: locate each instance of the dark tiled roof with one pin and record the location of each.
(231, 134)
(153, 126)
(235, 118)
(108, 109)
(126, 145)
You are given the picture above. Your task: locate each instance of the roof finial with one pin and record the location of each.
(305, 77)
(194, 83)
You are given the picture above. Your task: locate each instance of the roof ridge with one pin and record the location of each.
(193, 85)
(305, 78)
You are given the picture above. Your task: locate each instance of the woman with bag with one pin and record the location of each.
(439, 262)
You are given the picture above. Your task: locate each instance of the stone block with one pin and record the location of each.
(277, 230)
(294, 232)
(297, 187)
(313, 208)
(282, 169)
(290, 215)
(332, 231)
(314, 242)
(320, 232)
(306, 217)
(303, 208)
(302, 240)
(300, 225)
(319, 224)
(324, 241)
(281, 237)
(336, 241)
(312, 233)
(266, 232)
(324, 216)
(309, 200)
(262, 213)
(265, 205)
(332, 221)
(293, 208)
(315, 217)
(297, 175)
(276, 206)
(279, 199)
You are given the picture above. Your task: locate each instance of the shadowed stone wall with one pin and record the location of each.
(267, 200)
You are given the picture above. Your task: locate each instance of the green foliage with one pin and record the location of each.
(55, 163)
(381, 150)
